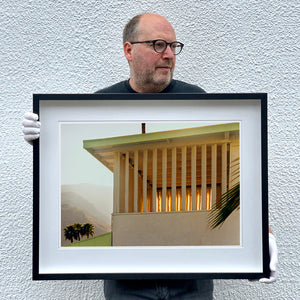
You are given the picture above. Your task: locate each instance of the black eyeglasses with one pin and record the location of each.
(160, 46)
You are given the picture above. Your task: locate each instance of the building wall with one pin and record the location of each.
(76, 47)
(173, 229)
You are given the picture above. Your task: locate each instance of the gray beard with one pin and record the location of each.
(150, 85)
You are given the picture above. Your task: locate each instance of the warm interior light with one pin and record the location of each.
(188, 203)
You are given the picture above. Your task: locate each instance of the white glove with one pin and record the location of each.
(31, 127)
(273, 260)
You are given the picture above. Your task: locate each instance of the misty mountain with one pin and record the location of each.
(86, 204)
(99, 196)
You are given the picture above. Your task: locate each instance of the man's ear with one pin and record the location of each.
(127, 47)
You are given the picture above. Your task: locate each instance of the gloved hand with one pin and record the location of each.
(273, 260)
(31, 127)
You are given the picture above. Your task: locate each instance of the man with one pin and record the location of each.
(150, 47)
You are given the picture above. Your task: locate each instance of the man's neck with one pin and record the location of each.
(147, 88)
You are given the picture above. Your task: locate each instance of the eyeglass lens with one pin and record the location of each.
(161, 46)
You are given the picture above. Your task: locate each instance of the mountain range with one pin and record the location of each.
(86, 203)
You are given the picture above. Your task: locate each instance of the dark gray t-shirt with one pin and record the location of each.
(176, 86)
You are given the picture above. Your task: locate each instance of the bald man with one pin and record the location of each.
(150, 47)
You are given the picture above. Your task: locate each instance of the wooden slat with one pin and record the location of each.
(230, 179)
(193, 177)
(174, 169)
(122, 184)
(136, 181)
(224, 168)
(213, 174)
(203, 178)
(126, 181)
(183, 177)
(154, 179)
(145, 163)
(116, 182)
(164, 179)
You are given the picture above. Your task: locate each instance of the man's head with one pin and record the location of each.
(150, 71)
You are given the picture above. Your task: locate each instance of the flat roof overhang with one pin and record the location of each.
(103, 149)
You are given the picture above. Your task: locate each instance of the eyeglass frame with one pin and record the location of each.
(167, 44)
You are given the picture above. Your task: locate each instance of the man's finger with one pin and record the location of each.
(30, 138)
(29, 123)
(30, 130)
(267, 280)
(31, 116)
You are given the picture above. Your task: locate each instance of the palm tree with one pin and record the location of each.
(229, 201)
(69, 233)
(77, 229)
(74, 231)
(87, 229)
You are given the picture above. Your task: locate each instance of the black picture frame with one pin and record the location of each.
(250, 109)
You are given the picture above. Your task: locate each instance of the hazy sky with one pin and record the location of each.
(79, 166)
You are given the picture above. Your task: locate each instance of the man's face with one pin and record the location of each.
(151, 72)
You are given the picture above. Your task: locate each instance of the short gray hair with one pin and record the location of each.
(130, 31)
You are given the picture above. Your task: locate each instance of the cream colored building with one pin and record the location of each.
(165, 184)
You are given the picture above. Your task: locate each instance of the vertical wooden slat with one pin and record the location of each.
(174, 169)
(136, 181)
(126, 182)
(164, 179)
(131, 183)
(234, 161)
(116, 182)
(145, 162)
(203, 178)
(213, 174)
(224, 168)
(154, 179)
(193, 177)
(183, 177)
(122, 184)
(230, 177)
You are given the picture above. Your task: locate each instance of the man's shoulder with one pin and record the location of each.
(178, 86)
(120, 87)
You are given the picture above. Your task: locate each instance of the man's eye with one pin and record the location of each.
(160, 45)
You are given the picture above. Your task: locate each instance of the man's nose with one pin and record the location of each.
(168, 52)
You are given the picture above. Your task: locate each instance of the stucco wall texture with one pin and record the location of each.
(76, 47)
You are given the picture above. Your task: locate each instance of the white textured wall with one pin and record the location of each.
(75, 47)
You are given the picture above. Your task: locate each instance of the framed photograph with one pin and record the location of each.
(150, 186)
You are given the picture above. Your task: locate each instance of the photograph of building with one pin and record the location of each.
(166, 183)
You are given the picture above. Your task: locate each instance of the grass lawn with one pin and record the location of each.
(103, 240)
